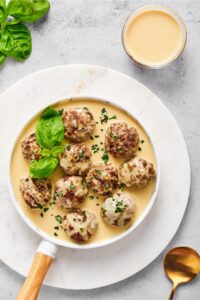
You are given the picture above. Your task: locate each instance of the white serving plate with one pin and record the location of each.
(139, 248)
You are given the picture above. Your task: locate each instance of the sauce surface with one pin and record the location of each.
(46, 220)
(152, 37)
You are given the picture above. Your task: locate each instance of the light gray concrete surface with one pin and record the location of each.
(88, 31)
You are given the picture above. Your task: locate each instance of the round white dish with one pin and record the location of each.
(97, 244)
(137, 250)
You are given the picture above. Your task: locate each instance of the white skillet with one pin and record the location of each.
(46, 251)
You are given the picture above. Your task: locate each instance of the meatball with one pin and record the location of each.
(118, 209)
(121, 141)
(80, 225)
(30, 148)
(102, 178)
(75, 160)
(79, 123)
(70, 192)
(36, 192)
(136, 172)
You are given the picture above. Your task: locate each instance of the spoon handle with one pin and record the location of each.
(172, 292)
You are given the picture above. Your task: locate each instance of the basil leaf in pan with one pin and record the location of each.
(55, 151)
(15, 40)
(2, 58)
(43, 168)
(3, 11)
(50, 129)
(28, 10)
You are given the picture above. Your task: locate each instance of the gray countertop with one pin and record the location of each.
(90, 32)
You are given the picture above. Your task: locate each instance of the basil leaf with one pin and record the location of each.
(3, 11)
(43, 168)
(49, 112)
(15, 40)
(50, 129)
(2, 58)
(45, 152)
(28, 10)
(57, 150)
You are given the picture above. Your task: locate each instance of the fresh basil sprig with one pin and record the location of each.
(15, 40)
(3, 11)
(2, 58)
(43, 168)
(49, 135)
(54, 152)
(15, 37)
(28, 11)
(50, 129)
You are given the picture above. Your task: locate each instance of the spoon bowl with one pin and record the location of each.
(181, 264)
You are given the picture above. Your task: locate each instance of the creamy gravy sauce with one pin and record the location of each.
(20, 168)
(152, 37)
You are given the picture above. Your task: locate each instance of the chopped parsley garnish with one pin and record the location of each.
(57, 195)
(81, 229)
(46, 209)
(91, 197)
(113, 136)
(95, 148)
(103, 211)
(104, 116)
(58, 219)
(119, 207)
(83, 184)
(122, 186)
(139, 149)
(101, 143)
(85, 108)
(68, 147)
(72, 186)
(142, 141)
(102, 130)
(96, 136)
(41, 215)
(97, 204)
(119, 149)
(99, 172)
(56, 227)
(81, 154)
(55, 234)
(38, 206)
(97, 122)
(91, 137)
(107, 186)
(60, 112)
(105, 157)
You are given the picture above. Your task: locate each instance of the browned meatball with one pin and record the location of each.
(102, 178)
(121, 141)
(75, 160)
(70, 192)
(30, 148)
(79, 123)
(36, 192)
(136, 172)
(118, 209)
(80, 225)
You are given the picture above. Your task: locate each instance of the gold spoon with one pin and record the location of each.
(181, 265)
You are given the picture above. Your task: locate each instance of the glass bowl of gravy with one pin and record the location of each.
(154, 36)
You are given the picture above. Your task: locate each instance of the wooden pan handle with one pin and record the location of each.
(33, 283)
(41, 263)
